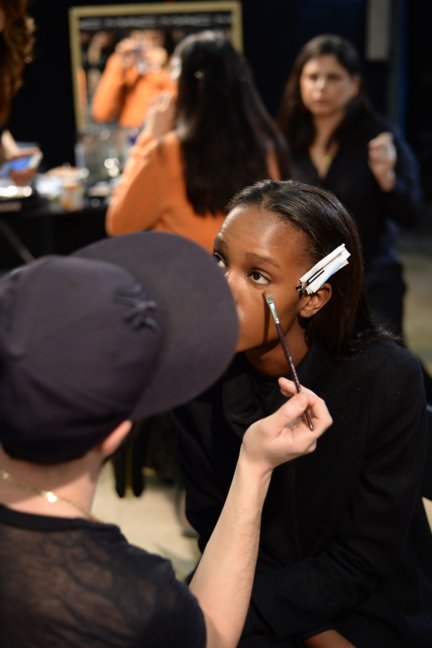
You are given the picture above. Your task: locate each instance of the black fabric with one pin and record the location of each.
(427, 473)
(385, 289)
(69, 583)
(344, 531)
(378, 214)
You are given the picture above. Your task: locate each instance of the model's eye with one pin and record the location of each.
(258, 278)
(219, 259)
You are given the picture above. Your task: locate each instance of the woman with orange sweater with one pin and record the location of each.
(198, 150)
(133, 76)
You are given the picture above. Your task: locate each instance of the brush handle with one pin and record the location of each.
(291, 365)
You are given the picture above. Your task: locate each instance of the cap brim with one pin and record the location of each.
(202, 323)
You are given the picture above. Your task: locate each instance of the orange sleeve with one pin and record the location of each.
(138, 198)
(109, 97)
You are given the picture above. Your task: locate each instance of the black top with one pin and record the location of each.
(376, 212)
(344, 533)
(71, 583)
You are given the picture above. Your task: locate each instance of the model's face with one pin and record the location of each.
(262, 255)
(326, 86)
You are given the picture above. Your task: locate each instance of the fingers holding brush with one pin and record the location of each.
(306, 403)
(289, 388)
(285, 435)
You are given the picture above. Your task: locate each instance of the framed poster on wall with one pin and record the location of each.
(96, 32)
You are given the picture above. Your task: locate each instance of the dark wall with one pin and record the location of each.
(43, 109)
(419, 91)
(273, 32)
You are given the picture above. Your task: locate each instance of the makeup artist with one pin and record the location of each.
(345, 553)
(127, 342)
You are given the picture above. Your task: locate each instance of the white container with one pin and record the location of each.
(72, 195)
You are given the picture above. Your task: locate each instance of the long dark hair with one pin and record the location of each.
(16, 43)
(344, 324)
(225, 131)
(294, 120)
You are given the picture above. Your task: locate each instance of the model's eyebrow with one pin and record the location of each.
(219, 243)
(259, 259)
(252, 257)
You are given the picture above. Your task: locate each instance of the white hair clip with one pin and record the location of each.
(318, 275)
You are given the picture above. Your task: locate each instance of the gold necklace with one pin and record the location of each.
(50, 497)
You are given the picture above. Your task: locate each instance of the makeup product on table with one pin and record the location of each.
(272, 306)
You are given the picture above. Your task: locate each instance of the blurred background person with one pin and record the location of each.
(133, 76)
(16, 47)
(197, 151)
(338, 142)
(95, 51)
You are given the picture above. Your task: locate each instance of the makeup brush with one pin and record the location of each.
(272, 307)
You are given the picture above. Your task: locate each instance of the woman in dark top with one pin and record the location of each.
(346, 551)
(339, 143)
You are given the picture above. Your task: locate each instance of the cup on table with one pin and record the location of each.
(72, 188)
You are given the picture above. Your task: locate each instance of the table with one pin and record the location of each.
(44, 228)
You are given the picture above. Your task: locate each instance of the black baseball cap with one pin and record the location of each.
(125, 328)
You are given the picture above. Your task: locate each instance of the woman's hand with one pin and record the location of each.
(129, 51)
(382, 160)
(9, 151)
(285, 434)
(160, 116)
(23, 177)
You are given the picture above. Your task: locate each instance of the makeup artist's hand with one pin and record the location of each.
(285, 435)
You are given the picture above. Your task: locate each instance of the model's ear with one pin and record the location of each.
(311, 304)
(110, 444)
